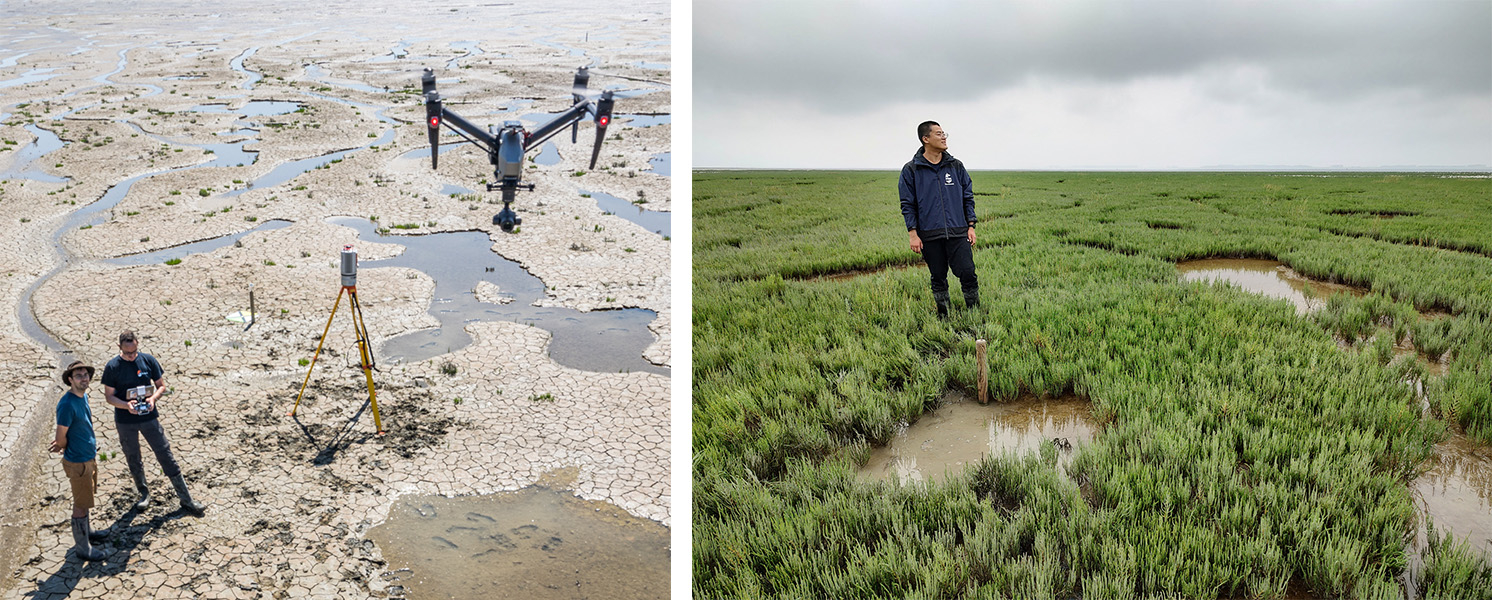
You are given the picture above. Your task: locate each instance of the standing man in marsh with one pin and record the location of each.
(133, 382)
(77, 444)
(937, 203)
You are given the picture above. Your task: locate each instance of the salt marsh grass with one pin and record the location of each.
(1242, 451)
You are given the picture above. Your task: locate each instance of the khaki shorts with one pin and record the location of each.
(84, 478)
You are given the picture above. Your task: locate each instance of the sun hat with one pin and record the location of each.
(67, 374)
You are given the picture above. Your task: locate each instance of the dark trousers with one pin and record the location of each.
(155, 435)
(953, 252)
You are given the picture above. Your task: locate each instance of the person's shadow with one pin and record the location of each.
(125, 536)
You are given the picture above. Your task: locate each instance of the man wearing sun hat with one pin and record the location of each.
(78, 446)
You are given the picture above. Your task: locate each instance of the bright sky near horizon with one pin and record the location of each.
(1095, 85)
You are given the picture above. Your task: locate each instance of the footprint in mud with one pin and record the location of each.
(445, 542)
(425, 511)
(524, 532)
(478, 517)
(552, 544)
(501, 542)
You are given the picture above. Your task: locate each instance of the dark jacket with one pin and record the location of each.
(937, 199)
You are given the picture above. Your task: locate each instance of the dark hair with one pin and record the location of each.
(924, 129)
(128, 336)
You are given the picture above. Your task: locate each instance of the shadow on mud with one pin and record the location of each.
(127, 533)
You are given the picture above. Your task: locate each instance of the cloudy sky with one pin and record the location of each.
(1094, 85)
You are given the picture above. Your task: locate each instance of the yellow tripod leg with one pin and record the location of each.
(362, 343)
(318, 351)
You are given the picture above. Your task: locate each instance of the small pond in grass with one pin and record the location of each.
(962, 431)
(536, 542)
(1456, 492)
(1266, 277)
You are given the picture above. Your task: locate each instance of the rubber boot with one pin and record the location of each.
(187, 504)
(81, 546)
(941, 298)
(144, 490)
(971, 298)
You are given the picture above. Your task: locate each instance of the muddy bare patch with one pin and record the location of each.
(1380, 214)
(412, 420)
(857, 273)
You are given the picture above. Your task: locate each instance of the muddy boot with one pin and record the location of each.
(941, 298)
(81, 546)
(971, 298)
(140, 486)
(187, 504)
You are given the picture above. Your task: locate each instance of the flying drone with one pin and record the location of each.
(506, 144)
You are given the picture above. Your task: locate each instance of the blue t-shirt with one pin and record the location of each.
(73, 413)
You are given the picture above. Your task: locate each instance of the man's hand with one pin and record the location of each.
(971, 236)
(59, 443)
(916, 241)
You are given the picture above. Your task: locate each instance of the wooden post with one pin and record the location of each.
(979, 357)
(251, 308)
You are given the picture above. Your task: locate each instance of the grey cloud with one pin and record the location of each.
(856, 55)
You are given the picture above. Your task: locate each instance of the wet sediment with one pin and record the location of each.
(538, 542)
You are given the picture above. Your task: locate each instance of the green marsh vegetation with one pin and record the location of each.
(1242, 451)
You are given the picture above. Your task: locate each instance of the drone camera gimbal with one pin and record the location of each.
(506, 145)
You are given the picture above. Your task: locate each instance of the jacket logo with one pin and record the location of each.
(947, 179)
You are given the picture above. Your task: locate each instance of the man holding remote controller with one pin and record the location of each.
(133, 382)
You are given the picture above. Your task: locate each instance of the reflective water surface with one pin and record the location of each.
(962, 431)
(1266, 277)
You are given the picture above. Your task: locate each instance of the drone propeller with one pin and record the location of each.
(631, 78)
(432, 114)
(578, 95)
(603, 118)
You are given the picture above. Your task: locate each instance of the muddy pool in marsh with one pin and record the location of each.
(1456, 491)
(1267, 277)
(537, 542)
(962, 431)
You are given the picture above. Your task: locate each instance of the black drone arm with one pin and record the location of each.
(436, 113)
(571, 118)
(572, 115)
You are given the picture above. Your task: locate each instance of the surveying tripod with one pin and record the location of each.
(349, 287)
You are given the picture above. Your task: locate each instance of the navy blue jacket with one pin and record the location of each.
(937, 199)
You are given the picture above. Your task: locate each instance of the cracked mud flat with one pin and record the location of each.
(292, 499)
